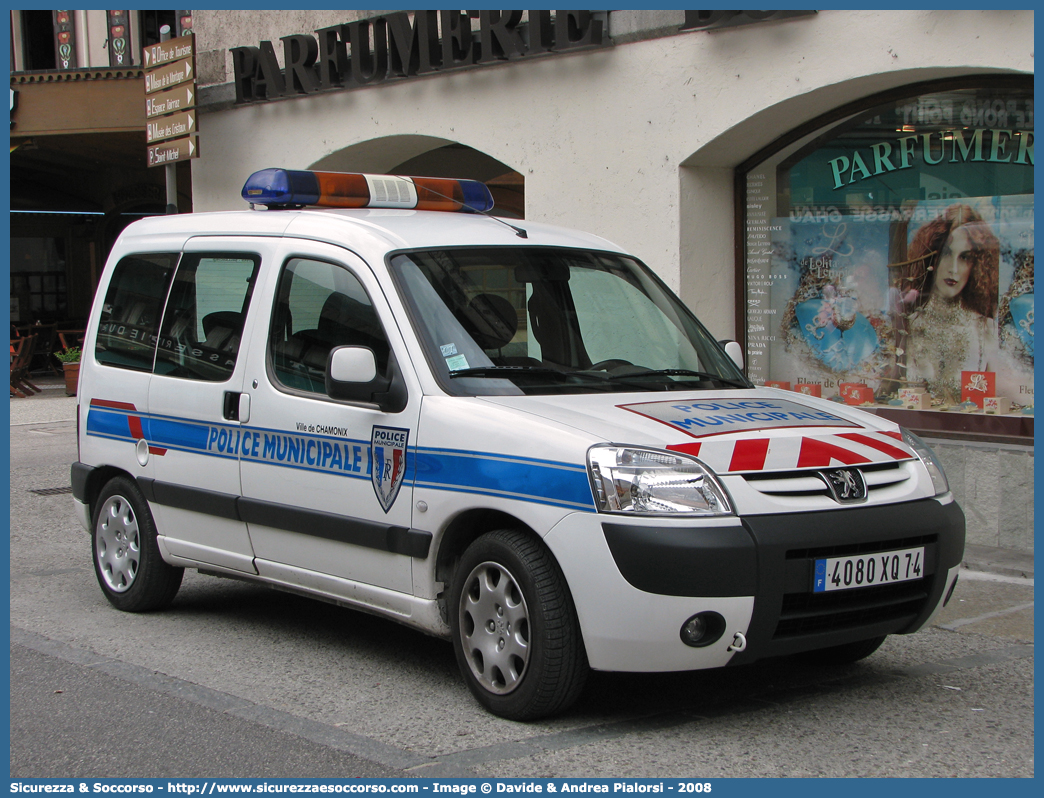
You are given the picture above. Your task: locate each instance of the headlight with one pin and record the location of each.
(930, 460)
(653, 482)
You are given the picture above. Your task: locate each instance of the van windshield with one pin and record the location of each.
(537, 320)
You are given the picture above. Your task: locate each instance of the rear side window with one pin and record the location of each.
(319, 306)
(133, 307)
(203, 321)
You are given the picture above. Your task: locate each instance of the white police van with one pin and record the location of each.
(512, 436)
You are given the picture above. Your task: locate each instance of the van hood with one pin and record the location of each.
(758, 430)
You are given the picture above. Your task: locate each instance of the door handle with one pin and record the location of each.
(230, 406)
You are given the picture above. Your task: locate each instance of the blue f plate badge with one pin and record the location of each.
(388, 455)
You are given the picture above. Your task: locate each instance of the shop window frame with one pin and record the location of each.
(991, 429)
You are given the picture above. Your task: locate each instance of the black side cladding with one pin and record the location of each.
(356, 531)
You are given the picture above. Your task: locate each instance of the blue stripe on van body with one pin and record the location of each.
(522, 478)
(462, 471)
(175, 434)
(109, 423)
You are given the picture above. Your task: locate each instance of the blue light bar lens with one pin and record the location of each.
(281, 187)
(477, 197)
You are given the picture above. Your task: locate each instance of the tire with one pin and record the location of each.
(847, 653)
(127, 561)
(515, 631)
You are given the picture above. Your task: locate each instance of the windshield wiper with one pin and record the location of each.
(703, 375)
(507, 372)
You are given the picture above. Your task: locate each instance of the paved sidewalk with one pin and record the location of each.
(1007, 562)
(52, 405)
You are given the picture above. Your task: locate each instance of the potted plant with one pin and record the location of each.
(70, 360)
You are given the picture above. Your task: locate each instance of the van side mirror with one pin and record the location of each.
(733, 350)
(351, 375)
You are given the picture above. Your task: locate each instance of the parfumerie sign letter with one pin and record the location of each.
(403, 44)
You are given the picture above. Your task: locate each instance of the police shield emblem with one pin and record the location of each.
(388, 458)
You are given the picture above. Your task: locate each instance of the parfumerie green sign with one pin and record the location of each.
(403, 44)
(954, 146)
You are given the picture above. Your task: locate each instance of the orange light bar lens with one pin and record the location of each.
(342, 190)
(437, 194)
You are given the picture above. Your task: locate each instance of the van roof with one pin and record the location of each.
(368, 228)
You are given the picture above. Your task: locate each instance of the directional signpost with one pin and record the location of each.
(171, 152)
(164, 77)
(170, 99)
(180, 98)
(171, 126)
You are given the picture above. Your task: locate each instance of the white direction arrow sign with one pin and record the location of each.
(170, 127)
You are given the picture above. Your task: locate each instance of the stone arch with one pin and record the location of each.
(431, 156)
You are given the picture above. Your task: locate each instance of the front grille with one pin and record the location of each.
(852, 549)
(809, 613)
(807, 483)
(805, 612)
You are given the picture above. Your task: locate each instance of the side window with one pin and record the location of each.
(203, 321)
(319, 306)
(130, 317)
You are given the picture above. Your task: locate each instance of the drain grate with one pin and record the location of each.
(52, 491)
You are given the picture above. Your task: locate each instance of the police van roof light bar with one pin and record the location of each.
(289, 188)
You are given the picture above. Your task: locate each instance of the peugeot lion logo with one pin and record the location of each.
(846, 485)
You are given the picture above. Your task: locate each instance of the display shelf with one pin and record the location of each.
(1013, 428)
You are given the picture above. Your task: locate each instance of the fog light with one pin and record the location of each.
(694, 630)
(702, 629)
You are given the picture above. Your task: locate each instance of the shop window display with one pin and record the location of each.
(889, 256)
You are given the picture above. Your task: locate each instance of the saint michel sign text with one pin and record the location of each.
(403, 44)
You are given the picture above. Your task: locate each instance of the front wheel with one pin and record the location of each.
(127, 561)
(515, 631)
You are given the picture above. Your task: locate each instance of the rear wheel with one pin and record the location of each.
(127, 561)
(515, 631)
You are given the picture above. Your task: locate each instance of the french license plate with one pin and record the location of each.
(868, 570)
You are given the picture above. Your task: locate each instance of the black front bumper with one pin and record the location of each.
(772, 558)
